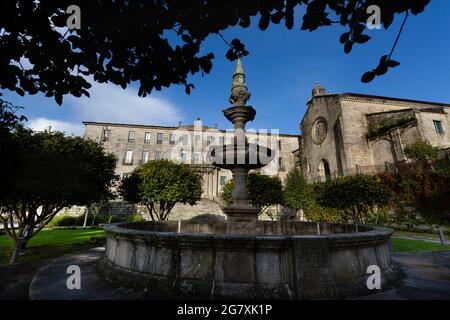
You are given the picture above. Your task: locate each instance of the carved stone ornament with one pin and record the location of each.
(319, 131)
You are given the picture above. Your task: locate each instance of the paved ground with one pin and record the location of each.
(426, 276)
(15, 280)
(50, 282)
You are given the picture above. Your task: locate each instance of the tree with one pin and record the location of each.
(427, 190)
(421, 152)
(355, 195)
(160, 184)
(263, 191)
(156, 43)
(297, 193)
(9, 121)
(50, 171)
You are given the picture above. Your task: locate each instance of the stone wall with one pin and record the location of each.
(179, 212)
(346, 149)
(185, 143)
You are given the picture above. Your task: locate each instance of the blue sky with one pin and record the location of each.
(281, 70)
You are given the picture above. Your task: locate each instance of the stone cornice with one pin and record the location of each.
(390, 101)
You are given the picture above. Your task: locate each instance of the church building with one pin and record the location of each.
(351, 133)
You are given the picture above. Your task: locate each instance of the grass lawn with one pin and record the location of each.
(433, 236)
(406, 245)
(49, 243)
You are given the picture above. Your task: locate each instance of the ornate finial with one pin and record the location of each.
(239, 68)
(318, 90)
(239, 94)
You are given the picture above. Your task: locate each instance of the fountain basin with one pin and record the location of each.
(230, 156)
(246, 260)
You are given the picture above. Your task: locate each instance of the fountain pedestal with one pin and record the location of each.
(240, 210)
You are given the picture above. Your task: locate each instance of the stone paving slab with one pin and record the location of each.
(426, 276)
(50, 281)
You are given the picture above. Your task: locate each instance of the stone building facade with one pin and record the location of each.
(350, 133)
(137, 144)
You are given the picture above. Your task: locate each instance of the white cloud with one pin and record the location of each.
(111, 103)
(40, 124)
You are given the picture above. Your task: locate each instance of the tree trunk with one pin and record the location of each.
(17, 248)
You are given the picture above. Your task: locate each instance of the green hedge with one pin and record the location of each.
(69, 221)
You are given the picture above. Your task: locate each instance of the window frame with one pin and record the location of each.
(149, 134)
(438, 128)
(143, 158)
(125, 160)
(131, 136)
(160, 141)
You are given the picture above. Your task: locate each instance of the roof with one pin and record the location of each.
(186, 127)
(368, 96)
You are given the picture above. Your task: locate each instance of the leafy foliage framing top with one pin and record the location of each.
(122, 41)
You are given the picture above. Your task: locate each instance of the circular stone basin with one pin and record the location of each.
(230, 156)
(246, 260)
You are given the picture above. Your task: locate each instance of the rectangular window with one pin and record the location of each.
(209, 140)
(159, 138)
(172, 138)
(438, 127)
(279, 144)
(223, 180)
(196, 158)
(197, 140)
(280, 163)
(131, 136)
(221, 140)
(158, 155)
(148, 137)
(184, 138)
(128, 157)
(145, 156)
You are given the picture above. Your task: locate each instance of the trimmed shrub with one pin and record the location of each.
(357, 196)
(160, 184)
(63, 221)
(297, 192)
(135, 218)
(263, 191)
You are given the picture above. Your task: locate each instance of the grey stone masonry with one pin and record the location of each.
(136, 144)
(335, 129)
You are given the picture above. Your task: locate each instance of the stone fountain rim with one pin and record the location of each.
(375, 233)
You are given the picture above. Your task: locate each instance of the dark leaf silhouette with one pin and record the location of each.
(368, 77)
(127, 41)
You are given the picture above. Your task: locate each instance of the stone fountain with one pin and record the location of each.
(240, 156)
(243, 257)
